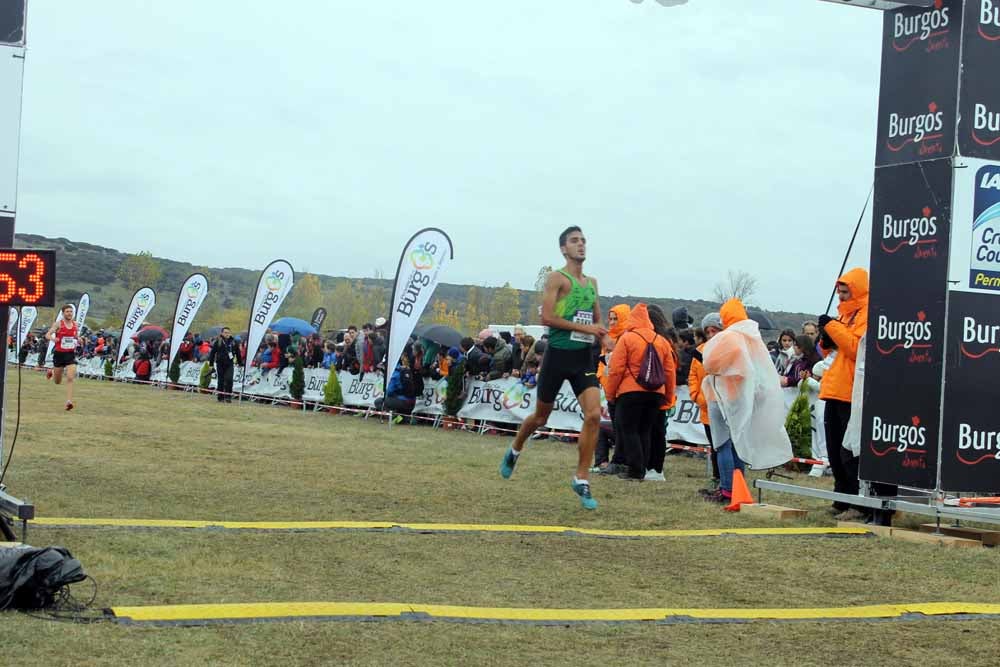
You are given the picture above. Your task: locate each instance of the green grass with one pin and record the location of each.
(133, 452)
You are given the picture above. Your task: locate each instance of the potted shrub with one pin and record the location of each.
(174, 373)
(205, 379)
(333, 394)
(298, 384)
(454, 395)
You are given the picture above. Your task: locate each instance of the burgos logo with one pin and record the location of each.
(908, 30)
(987, 442)
(275, 281)
(912, 336)
(193, 290)
(924, 129)
(515, 396)
(422, 259)
(900, 438)
(919, 232)
(979, 340)
(989, 20)
(422, 256)
(985, 121)
(143, 300)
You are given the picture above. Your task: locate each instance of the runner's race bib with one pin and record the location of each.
(68, 343)
(582, 317)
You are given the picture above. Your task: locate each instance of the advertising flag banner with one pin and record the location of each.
(82, 310)
(13, 321)
(189, 300)
(275, 283)
(419, 271)
(28, 315)
(319, 315)
(138, 310)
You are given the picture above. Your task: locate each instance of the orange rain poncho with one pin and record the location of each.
(743, 382)
(623, 311)
(846, 332)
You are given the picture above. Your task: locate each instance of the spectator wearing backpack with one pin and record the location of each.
(641, 378)
(658, 432)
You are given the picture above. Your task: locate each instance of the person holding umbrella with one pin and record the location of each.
(224, 355)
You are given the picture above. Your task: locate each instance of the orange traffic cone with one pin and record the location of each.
(741, 492)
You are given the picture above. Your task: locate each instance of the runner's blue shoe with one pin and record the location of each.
(508, 463)
(582, 489)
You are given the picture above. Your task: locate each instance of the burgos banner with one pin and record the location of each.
(419, 272)
(142, 303)
(275, 283)
(189, 300)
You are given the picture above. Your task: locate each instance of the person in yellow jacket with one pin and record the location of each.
(841, 337)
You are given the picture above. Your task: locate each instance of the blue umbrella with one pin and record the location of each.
(290, 325)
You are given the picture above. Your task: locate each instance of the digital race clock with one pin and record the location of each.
(27, 277)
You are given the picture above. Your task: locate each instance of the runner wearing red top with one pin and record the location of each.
(65, 334)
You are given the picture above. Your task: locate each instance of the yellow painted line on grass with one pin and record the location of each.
(201, 613)
(437, 527)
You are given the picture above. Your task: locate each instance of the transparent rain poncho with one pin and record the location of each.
(743, 381)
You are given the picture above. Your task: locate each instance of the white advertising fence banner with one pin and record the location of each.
(82, 310)
(275, 283)
(685, 425)
(143, 301)
(28, 316)
(418, 273)
(503, 401)
(189, 300)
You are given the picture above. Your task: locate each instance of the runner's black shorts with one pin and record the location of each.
(63, 359)
(576, 366)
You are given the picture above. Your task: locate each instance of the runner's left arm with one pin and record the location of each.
(605, 339)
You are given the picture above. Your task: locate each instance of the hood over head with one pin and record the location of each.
(622, 310)
(639, 319)
(732, 311)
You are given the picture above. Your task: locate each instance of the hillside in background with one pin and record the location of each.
(82, 267)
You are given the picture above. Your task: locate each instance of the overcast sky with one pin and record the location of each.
(685, 141)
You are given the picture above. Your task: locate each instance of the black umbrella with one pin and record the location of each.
(762, 320)
(440, 334)
(211, 332)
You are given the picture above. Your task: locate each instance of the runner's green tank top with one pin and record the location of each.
(576, 306)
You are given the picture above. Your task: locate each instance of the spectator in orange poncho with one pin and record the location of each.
(637, 405)
(617, 322)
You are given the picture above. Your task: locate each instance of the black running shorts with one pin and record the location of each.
(576, 366)
(63, 359)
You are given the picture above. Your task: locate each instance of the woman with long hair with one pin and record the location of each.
(658, 429)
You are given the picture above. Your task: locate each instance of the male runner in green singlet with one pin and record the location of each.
(571, 310)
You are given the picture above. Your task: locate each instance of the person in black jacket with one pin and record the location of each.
(224, 355)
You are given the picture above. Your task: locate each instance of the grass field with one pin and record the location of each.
(132, 452)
